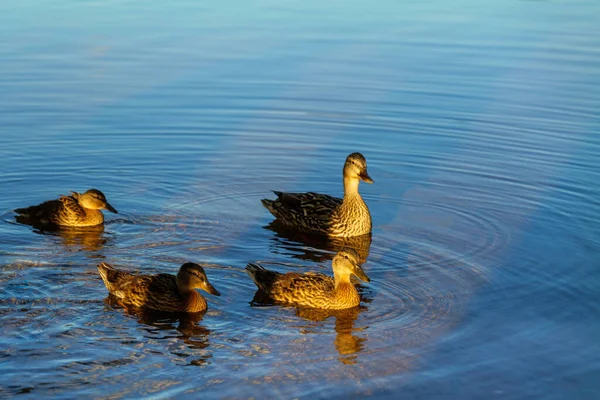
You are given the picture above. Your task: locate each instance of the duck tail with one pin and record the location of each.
(273, 205)
(268, 204)
(263, 278)
(27, 215)
(103, 269)
(111, 277)
(24, 212)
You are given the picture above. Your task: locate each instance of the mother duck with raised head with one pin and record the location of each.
(320, 213)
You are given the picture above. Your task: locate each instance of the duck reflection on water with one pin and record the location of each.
(190, 331)
(91, 238)
(316, 298)
(316, 248)
(348, 342)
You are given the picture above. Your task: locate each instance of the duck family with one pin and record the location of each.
(309, 212)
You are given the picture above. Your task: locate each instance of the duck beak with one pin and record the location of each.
(360, 274)
(211, 289)
(111, 208)
(365, 177)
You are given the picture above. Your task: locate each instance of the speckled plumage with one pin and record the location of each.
(312, 289)
(320, 213)
(162, 292)
(77, 210)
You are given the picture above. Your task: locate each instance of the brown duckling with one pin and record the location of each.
(312, 289)
(161, 292)
(76, 210)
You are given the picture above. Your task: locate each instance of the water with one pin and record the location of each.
(479, 123)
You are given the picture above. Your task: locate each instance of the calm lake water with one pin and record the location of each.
(479, 122)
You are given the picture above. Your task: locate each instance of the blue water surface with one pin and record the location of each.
(479, 123)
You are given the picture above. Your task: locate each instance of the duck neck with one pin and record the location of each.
(341, 279)
(183, 287)
(351, 188)
(345, 292)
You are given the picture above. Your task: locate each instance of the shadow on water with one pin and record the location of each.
(193, 335)
(484, 263)
(287, 241)
(347, 343)
(90, 238)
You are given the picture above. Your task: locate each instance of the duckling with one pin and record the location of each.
(320, 213)
(76, 210)
(312, 289)
(162, 292)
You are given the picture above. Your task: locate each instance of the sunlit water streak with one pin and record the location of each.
(479, 124)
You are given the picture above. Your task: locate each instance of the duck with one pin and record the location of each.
(323, 214)
(161, 292)
(313, 290)
(76, 210)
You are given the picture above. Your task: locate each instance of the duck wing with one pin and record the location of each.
(117, 282)
(309, 211)
(310, 204)
(309, 289)
(152, 291)
(69, 212)
(58, 212)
